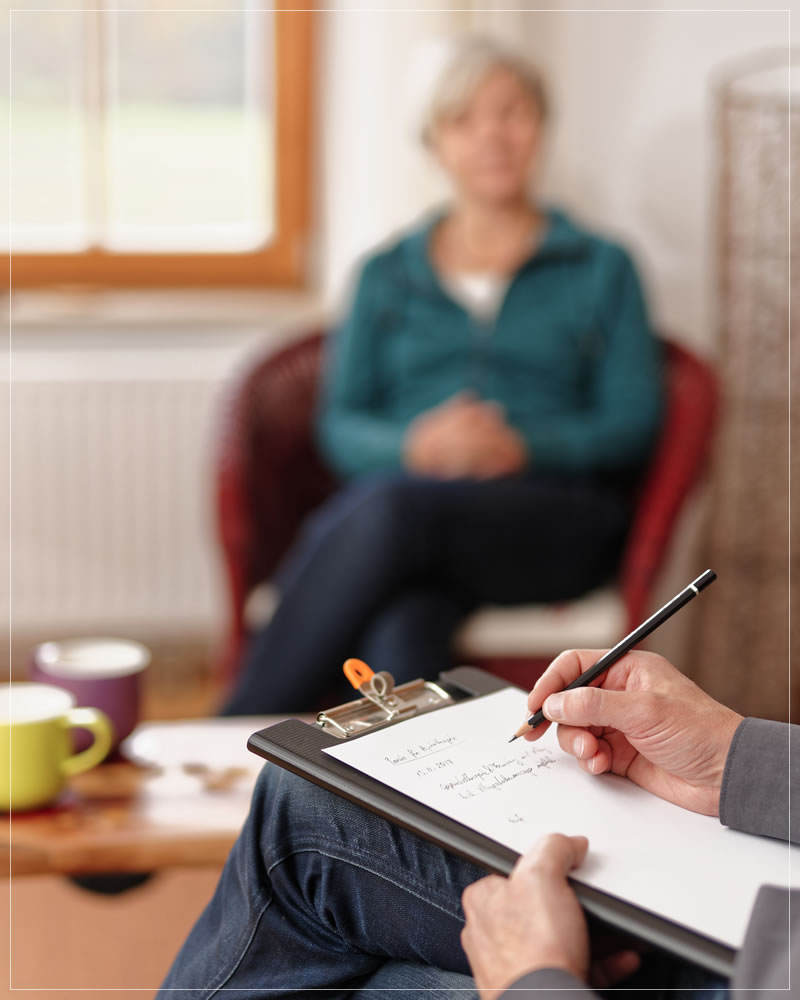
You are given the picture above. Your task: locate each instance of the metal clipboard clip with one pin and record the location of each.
(381, 704)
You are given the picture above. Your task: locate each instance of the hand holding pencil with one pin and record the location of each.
(642, 719)
(628, 643)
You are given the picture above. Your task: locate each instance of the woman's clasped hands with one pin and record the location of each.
(464, 437)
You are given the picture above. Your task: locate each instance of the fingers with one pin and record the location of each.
(556, 854)
(577, 742)
(611, 969)
(474, 415)
(599, 762)
(570, 664)
(592, 706)
(593, 754)
(561, 672)
(477, 892)
(500, 461)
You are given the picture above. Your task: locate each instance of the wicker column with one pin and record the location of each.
(742, 650)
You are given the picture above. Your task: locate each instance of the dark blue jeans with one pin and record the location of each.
(388, 567)
(319, 894)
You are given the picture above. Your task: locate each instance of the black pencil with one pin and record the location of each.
(625, 645)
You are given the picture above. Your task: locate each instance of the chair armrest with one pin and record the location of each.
(268, 472)
(677, 463)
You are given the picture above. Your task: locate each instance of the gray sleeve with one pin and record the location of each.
(770, 956)
(755, 796)
(538, 984)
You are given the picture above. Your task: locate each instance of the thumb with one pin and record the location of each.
(555, 854)
(592, 706)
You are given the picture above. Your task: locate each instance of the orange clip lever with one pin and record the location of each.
(357, 672)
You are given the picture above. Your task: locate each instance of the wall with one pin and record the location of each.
(371, 178)
(631, 150)
(114, 426)
(635, 148)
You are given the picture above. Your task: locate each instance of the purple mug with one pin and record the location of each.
(102, 673)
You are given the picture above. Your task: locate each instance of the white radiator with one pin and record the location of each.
(111, 492)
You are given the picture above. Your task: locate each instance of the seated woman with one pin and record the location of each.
(489, 402)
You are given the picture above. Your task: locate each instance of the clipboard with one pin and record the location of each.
(297, 746)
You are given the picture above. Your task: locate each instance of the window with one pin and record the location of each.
(157, 146)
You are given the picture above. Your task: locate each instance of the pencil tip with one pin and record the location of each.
(512, 739)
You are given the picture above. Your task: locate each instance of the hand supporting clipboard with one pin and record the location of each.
(299, 747)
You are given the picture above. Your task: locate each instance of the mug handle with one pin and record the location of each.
(99, 724)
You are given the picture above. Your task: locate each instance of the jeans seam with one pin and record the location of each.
(419, 890)
(214, 990)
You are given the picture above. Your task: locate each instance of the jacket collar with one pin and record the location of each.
(562, 238)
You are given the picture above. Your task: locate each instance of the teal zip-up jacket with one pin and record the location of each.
(570, 356)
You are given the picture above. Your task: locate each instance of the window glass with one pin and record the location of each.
(145, 130)
(189, 146)
(46, 124)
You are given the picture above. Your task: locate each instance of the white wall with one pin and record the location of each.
(634, 147)
(631, 149)
(371, 179)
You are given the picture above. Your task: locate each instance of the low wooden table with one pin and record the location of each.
(176, 797)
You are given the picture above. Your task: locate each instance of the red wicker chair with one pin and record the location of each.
(269, 475)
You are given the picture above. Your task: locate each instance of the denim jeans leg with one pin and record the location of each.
(368, 541)
(535, 538)
(397, 980)
(411, 635)
(318, 893)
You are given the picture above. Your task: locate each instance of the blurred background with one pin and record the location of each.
(190, 192)
(191, 189)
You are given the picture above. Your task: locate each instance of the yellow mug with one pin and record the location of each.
(36, 754)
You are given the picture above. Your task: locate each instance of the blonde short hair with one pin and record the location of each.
(468, 62)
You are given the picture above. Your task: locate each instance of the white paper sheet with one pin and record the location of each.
(686, 867)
